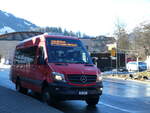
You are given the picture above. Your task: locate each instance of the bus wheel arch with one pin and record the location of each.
(19, 87)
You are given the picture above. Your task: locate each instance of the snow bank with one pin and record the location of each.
(3, 66)
(4, 78)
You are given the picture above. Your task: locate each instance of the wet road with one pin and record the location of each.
(119, 96)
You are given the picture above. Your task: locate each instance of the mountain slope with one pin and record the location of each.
(10, 23)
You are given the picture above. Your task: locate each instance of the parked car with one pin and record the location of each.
(136, 66)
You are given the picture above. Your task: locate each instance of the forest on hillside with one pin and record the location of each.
(59, 30)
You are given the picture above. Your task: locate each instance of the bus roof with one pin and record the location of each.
(47, 35)
(57, 35)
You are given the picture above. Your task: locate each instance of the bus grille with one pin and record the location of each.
(82, 79)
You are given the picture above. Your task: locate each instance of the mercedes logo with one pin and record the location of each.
(83, 78)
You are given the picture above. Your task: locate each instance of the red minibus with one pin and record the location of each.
(58, 67)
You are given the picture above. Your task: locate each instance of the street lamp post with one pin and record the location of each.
(137, 61)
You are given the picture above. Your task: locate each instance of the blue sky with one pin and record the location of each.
(93, 17)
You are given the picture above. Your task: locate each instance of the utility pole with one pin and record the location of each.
(137, 61)
(117, 56)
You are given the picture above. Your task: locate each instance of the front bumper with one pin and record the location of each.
(65, 91)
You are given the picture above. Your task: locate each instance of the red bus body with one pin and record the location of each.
(80, 80)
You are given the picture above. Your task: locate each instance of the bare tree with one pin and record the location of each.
(121, 36)
(141, 39)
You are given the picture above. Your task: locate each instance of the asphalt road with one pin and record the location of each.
(119, 96)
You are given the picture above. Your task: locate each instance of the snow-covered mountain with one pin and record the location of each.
(10, 23)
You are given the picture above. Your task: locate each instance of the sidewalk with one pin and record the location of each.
(14, 102)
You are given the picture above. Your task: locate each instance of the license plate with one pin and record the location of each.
(83, 92)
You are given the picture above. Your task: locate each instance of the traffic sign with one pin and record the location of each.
(113, 52)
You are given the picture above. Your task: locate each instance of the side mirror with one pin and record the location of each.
(41, 61)
(94, 60)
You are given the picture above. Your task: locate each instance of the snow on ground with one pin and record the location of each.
(3, 66)
(4, 77)
(6, 14)
(115, 72)
(27, 23)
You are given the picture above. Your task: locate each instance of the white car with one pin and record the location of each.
(136, 66)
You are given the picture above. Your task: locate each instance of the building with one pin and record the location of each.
(98, 44)
(10, 40)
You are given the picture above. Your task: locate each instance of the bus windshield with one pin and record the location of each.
(66, 51)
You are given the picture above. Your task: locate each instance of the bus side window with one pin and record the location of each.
(15, 61)
(40, 59)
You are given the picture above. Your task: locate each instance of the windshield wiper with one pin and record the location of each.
(80, 62)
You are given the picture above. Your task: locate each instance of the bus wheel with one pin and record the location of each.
(20, 89)
(92, 101)
(46, 96)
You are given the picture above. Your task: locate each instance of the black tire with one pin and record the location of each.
(20, 89)
(92, 101)
(47, 97)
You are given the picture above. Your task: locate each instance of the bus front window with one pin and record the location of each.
(67, 51)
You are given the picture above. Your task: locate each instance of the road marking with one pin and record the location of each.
(117, 108)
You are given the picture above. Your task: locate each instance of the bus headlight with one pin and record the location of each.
(58, 76)
(99, 78)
